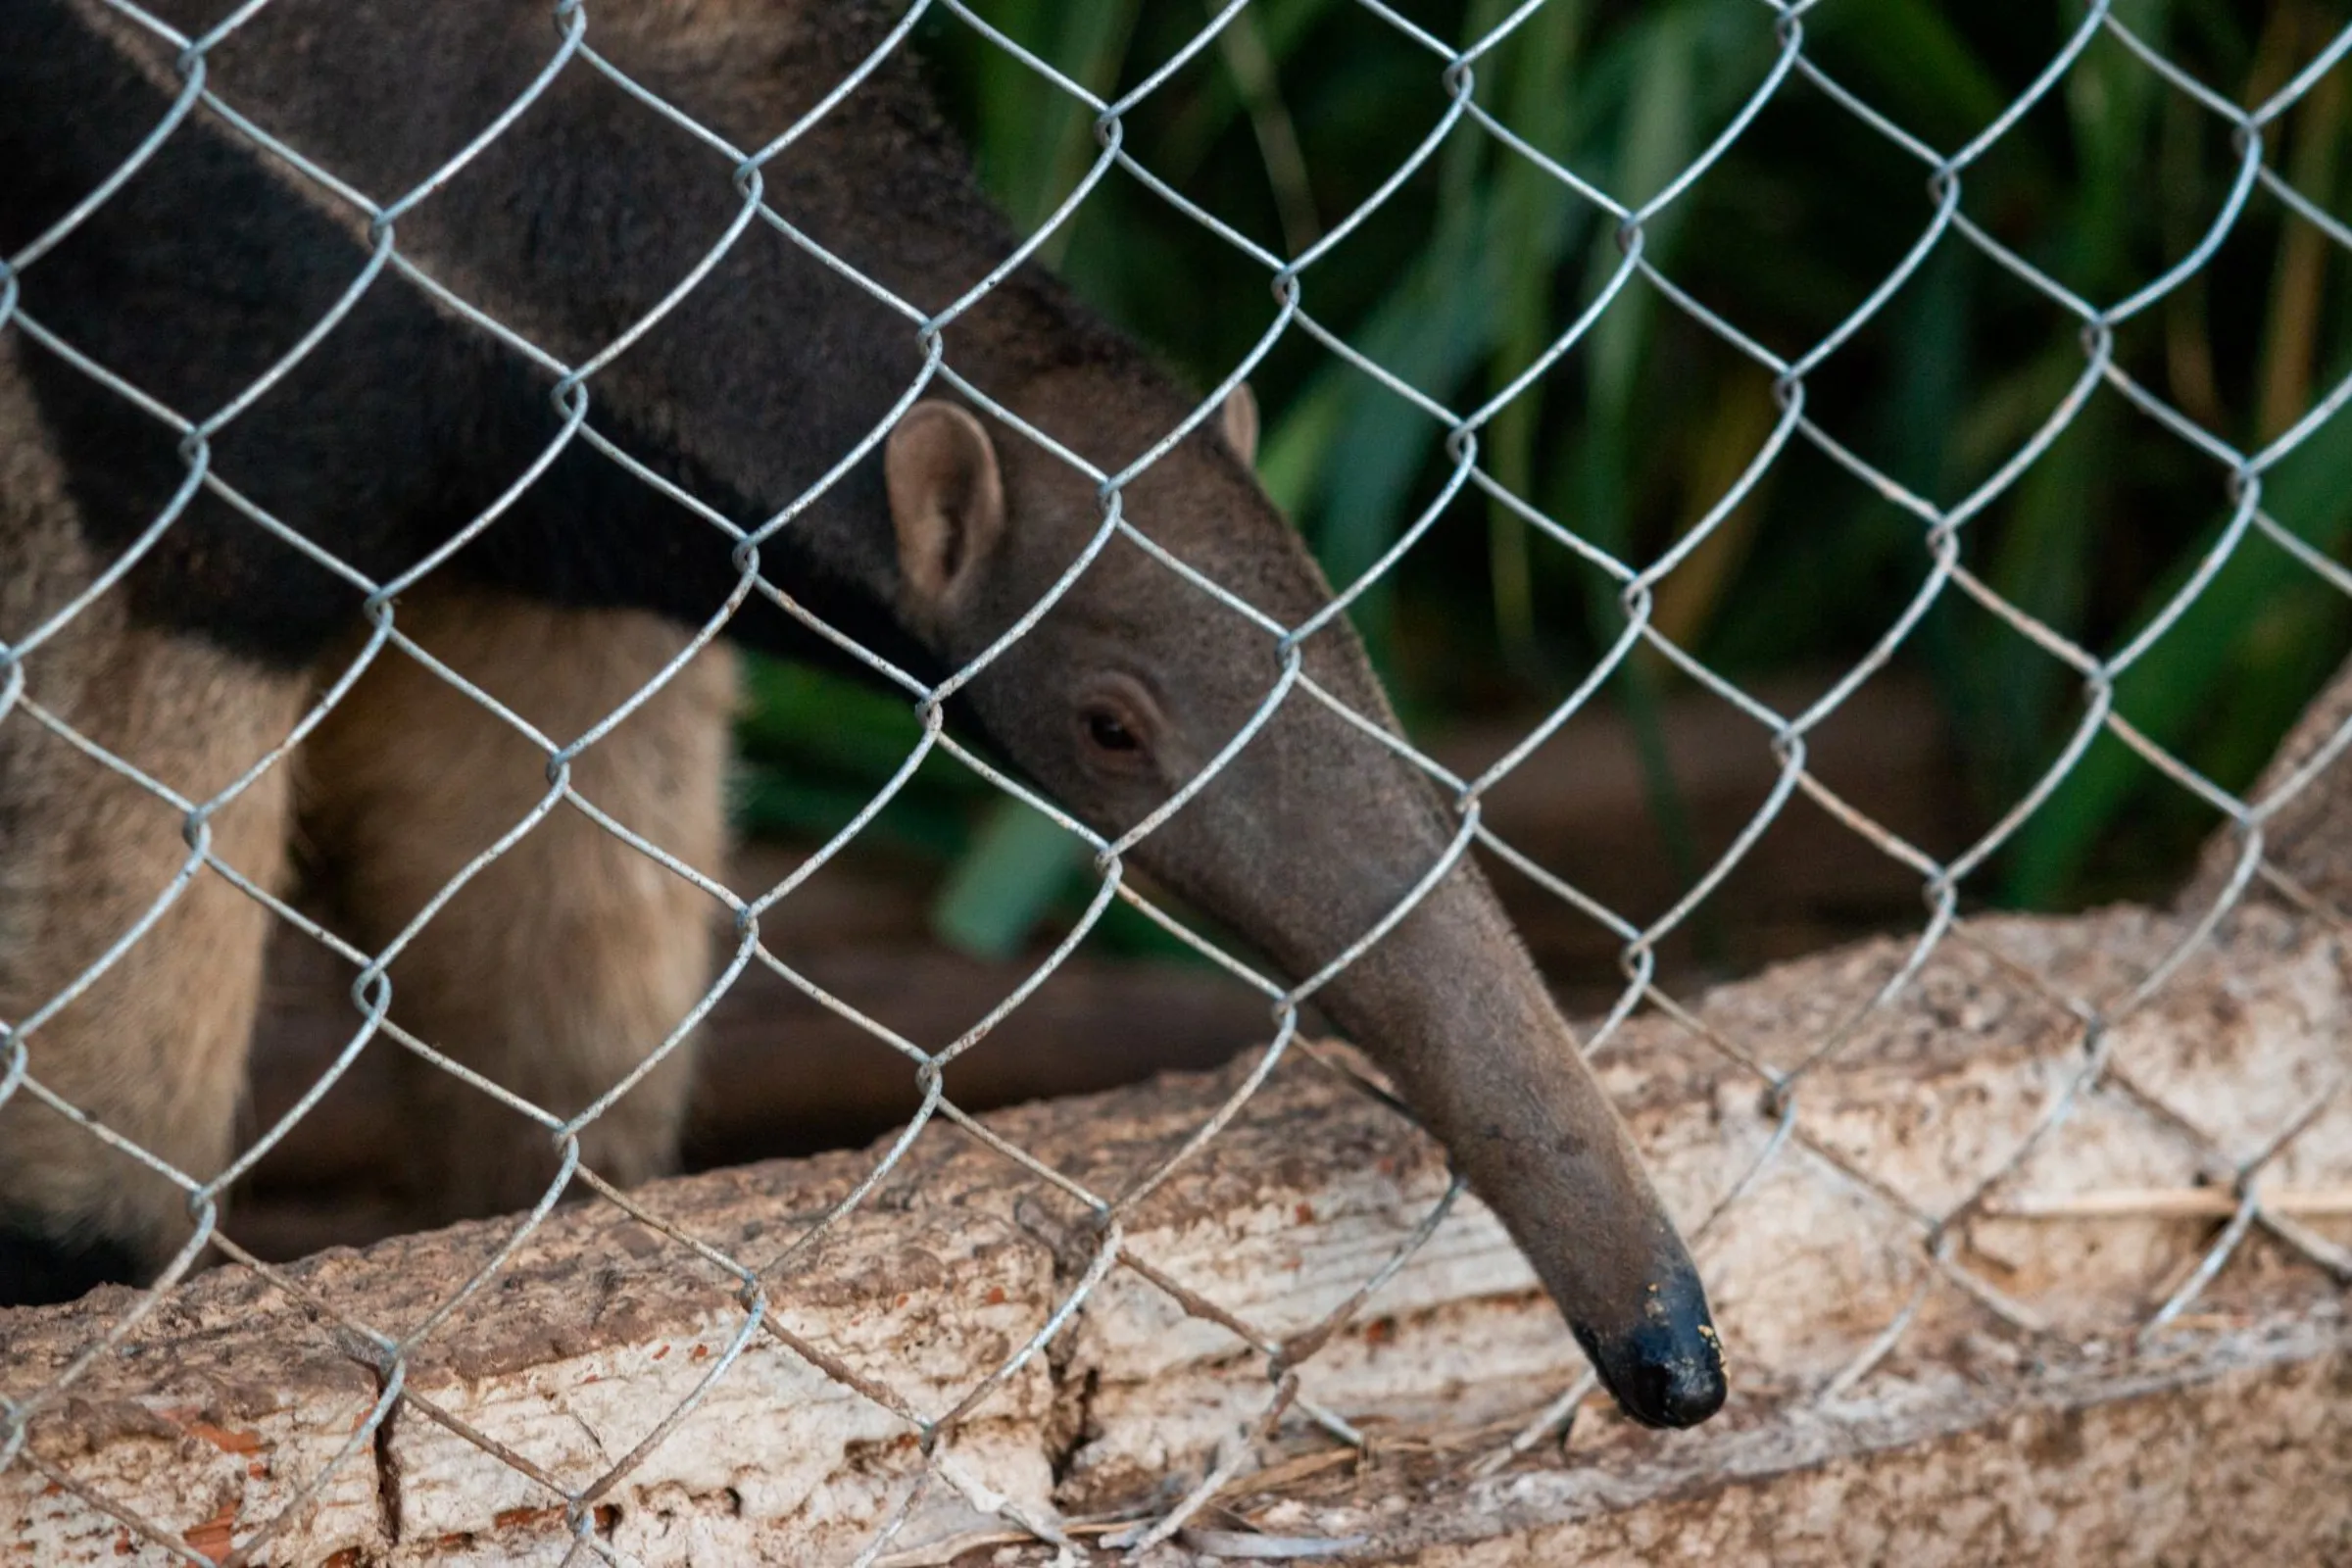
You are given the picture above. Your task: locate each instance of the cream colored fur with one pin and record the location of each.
(554, 971)
(565, 963)
(155, 1047)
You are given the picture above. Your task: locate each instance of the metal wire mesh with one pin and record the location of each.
(756, 1283)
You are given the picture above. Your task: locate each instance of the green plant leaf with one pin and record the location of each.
(2178, 677)
(1008, 880)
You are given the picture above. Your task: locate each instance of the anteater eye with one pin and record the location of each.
(1108, 734)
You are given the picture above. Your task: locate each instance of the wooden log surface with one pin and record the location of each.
(235, 1392)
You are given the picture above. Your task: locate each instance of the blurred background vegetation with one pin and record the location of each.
(1303, 108)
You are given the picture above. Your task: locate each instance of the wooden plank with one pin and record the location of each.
(2245, 1457)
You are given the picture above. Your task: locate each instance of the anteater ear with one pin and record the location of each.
(1240, 419)
(947, 500)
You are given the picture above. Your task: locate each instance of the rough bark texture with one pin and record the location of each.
(2221, 1439)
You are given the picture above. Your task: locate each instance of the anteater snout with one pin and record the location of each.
(1665, 1367)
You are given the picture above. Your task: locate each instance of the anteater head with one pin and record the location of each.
(1309, 837)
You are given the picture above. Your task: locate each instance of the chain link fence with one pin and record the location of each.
(756, 1285)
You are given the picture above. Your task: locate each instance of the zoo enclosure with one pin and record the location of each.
(2278, 504)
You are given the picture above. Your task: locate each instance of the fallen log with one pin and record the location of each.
(236, 1391)
(1085, 1323)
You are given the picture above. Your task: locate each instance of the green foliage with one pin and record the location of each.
(1469, 271)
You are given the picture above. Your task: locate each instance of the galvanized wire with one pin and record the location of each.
(750, 1286)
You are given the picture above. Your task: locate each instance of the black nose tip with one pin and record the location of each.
(1666, 1369)
(1676, 1389)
